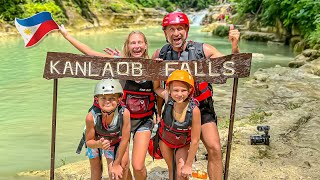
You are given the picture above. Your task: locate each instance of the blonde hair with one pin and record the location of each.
(125, 49)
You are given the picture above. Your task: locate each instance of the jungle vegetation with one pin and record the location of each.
(303, 15)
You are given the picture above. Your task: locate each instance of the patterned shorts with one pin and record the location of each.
(93, 153)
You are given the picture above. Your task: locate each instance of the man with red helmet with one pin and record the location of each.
(176, 27)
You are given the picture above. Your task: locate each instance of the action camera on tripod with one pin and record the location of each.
(261, 139)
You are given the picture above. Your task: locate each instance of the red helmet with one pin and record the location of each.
(156, 154)
(175, 18)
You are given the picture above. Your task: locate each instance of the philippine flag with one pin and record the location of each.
(34, 28)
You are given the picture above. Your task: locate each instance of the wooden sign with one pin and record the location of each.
(214, 70)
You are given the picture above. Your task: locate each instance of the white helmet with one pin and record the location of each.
(108, 86)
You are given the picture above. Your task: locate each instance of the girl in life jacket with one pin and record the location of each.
(180, 124)
(108, 131)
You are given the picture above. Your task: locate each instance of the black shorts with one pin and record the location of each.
(207, 111)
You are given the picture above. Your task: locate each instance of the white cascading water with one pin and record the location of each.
(197, 17)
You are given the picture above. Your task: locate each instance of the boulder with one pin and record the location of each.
(309, 52)
(299, 47)
(313, 67)
(211, 27)
(294, 40)
(258, 36)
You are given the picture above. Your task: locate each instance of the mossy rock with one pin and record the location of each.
(221, 31)
(294, 40)
(299, 47)
(316, 47)
(296, 64)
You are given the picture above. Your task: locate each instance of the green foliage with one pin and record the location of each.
(31, 9)
(258, 116)
(11, 9)
(171, 5)
(292, 105)
(148, 3)
(131, 1)
(196, 4)
(314, 37)
(223, 123)
(115, 7)
(303, 14)
(247, 6)
(221, 31)
(123, 6)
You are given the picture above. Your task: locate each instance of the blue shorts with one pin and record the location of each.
(93, 153)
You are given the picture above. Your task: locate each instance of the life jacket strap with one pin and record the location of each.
(81, 143)
(206, 94)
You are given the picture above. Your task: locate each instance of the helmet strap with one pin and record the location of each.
(106, 112)
(110, 112)
(183, 43)
(96, 102)
(185, 40)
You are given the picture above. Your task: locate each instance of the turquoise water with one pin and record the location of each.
(26, 97)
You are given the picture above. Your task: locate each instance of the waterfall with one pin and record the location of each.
(197, 17)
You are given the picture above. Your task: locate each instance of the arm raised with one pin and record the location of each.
(79, 45)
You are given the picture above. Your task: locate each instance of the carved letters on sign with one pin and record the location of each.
(216, 70)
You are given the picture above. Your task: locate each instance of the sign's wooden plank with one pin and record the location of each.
(214, 70)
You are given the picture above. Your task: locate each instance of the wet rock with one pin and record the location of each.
(309, 52)
(257, 36)
(258, 56)
(309, 61)
(278, 43)
(294, 40)
(313, 67)
(299, 47)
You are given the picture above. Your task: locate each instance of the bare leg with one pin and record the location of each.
(182, 153)
(139, 152)
(95, 166)
(125, 165)
(167, 154)
(211, 140)
(129, 175)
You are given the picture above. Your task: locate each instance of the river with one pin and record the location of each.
(26, 97)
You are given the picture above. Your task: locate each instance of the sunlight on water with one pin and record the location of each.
(26, 97)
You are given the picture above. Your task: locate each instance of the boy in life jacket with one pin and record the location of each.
(108, 131)
(180, 124)
(176, 26)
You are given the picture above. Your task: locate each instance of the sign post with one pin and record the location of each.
(214, 70)
(54, 120)
(230, 133)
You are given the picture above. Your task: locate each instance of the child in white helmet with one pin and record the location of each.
(108, 131)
